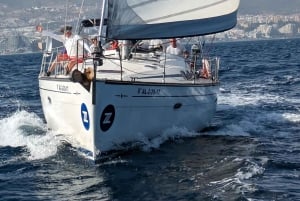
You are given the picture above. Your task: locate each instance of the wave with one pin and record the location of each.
(243, 97)
(25, 129)
(246, 169)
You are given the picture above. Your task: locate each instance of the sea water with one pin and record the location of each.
(251, 151)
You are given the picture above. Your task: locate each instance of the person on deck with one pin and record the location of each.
(176, 49)
(94, 44)
(156, 44)
(114, 45)
(74, 50)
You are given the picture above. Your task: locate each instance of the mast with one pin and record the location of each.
(100, 54)
(101, 19)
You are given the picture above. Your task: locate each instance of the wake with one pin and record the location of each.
(25, 129)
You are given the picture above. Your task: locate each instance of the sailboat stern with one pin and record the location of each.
(133, 113)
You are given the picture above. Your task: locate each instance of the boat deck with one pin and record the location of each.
(141, 67)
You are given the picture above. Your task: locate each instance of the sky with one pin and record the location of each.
(246, 6)
(269, 6)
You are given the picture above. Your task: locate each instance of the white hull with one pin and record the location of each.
(123, 112)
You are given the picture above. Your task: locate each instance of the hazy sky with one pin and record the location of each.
(270, 6)
(246, 6)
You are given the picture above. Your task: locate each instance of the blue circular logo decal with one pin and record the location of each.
(85, 116)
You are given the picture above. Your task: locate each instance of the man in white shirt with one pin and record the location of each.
(175, 48)
(94, 44)
(74, 52)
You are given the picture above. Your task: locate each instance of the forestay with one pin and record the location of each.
(146, 19)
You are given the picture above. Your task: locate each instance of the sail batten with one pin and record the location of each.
(133, 19)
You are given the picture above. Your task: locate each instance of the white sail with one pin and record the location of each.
(136, 19)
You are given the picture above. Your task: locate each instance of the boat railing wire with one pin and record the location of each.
(193, 70)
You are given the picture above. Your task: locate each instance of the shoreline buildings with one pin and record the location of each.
(19, 34)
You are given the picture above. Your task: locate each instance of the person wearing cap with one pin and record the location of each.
(74, 50)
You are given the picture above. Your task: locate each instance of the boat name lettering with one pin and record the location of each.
(149, 91)
(62, 87)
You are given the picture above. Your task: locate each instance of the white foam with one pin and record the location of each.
(235, 129)
(295, 118)
(238, 182)
(252, 121)
(293, 101)
(169, 134)
(252, 169)
(24, 129)
(241, 98)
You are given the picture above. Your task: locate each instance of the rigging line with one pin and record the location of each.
(79, 15)
(66, 15)
(121, 66)
(186, 44)
(201, 44)
(211, 46)
(164, 65)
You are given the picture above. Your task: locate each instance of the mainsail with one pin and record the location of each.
(146, 19)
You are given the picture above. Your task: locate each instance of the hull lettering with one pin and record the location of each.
(149, 91)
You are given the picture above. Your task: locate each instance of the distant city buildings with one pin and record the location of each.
(252, 27)
(19, 34)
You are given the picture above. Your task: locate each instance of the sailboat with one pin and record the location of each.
(116, 97)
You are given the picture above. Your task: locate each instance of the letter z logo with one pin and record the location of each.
(107, 118)
(85, 118)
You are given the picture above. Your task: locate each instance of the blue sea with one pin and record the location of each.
(251, 151)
